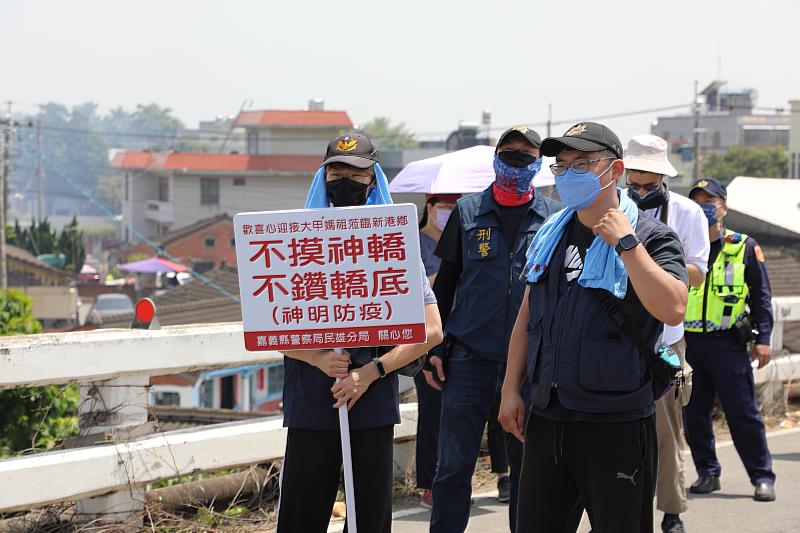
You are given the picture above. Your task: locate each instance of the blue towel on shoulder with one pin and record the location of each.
(603, 268)
(318, 195)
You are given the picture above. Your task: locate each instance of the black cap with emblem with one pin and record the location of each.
(523, 131)
(355, 149)
(586, 137)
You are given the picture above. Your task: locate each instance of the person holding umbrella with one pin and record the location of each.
(479, 291)
(349, 176)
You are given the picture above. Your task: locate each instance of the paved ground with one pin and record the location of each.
(730, 510)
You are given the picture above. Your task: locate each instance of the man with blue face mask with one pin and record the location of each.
(479, 290)
(599, 273)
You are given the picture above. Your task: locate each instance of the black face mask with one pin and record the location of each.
(346, 192)
(650, 200)
(516, 158)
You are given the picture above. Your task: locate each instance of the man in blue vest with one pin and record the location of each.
(590, 440)
(483, 253)
(721, 318)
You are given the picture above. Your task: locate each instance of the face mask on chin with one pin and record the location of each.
(346, 192)
(578, 190)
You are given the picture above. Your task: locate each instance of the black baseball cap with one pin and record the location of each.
(711, 186)
(523, 131)
(586, 137)
(355, 149)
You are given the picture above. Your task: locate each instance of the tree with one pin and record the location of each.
(767, 162)
(70, 243)
(36, 417)
(387, 136)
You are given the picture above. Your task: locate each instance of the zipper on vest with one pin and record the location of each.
(560, 332)
(508, 300)
(705, 300)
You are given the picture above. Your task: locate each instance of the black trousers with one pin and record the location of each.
(607, 468)
(429, 409)
(312, 469)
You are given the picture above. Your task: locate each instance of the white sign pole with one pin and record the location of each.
(347, 461)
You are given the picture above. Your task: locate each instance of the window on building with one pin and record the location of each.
(252, 142)
(209, 191)
(202, 266)
(239, 182)
(163, 190)
(127, 185)
(168, 398)
(233, 242)
(207, 394)
(275, 381)
(261, 379)
(210, 242)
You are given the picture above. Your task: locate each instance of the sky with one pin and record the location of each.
(429, 64)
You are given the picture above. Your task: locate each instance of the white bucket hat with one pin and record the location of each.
(648, 153)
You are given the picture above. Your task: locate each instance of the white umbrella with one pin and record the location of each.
(461, 172)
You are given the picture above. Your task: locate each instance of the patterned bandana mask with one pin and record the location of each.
(514, 185)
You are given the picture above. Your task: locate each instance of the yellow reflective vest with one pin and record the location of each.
(721, 300)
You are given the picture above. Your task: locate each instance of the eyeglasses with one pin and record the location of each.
(580, 167)
(649, 187)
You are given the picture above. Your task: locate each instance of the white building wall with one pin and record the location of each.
(295, 141)
(259, 193)
(141, 187)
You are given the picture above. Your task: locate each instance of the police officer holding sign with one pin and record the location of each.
(732, 309)
(349, 176)
(599, 273)
(479, 291)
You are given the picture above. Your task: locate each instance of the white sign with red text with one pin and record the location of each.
(330, 278)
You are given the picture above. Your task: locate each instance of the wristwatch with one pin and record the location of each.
(381, 370)
(628, 242)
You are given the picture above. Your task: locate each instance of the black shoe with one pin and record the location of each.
(705, 485)
(672, 524)
(504, 489)
(765, 492)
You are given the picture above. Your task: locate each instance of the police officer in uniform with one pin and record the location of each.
(729, 311)
(483, 253)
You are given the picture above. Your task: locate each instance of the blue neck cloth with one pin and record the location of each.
(318, 196)
(603, 268)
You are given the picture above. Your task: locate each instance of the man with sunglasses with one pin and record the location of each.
(646, 166)
(597, 272)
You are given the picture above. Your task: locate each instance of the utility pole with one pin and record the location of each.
(549, 118)
(39, 172)
(696, 142)
(4, 176)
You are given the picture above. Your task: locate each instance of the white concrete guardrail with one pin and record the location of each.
(114, 366)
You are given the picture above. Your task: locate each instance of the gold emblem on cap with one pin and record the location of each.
(702, 183)
(522, 129)
(575, 130)
(346, 144)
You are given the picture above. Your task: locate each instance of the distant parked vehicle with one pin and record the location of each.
(109, 305)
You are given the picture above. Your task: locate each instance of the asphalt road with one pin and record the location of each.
(730, 510)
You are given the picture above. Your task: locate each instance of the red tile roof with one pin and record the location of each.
(271, 117)
(201, 161)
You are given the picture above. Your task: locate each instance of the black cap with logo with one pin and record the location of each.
(711, 186)
(586, 137)
(355, 149)
(523, 131)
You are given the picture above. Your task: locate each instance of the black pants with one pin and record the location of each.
(429, 409)
(496, 440)
(607, 468)
(311, 472)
